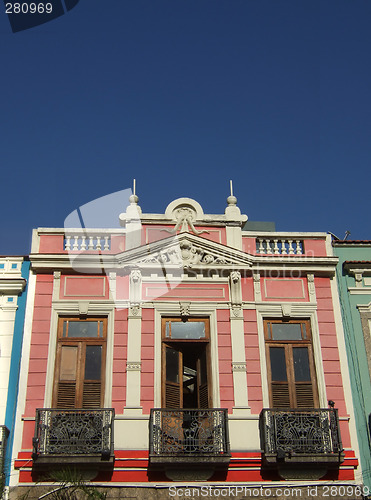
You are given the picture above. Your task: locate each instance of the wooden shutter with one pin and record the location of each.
(67, 374)
(172, 376)
(291, 371)
(80, 367)
(202, 380)
(305, 381)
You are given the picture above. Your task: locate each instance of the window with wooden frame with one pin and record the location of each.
(290, 364)
(186, 363)
(80, 363)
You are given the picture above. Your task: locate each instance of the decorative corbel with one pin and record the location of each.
(135, 288)
(286, 311)
(184, 310)
(311, 288)
(235, 286)
(257, 287)
(358, 277)
(83, 308)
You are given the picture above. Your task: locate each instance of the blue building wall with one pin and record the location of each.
(15, 362)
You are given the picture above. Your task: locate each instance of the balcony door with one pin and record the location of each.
(185, 363)
(80, 363)
(291, 369)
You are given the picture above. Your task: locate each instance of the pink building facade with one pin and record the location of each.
(182, 351)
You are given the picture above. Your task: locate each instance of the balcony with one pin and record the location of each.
(73, 437)
(190, 436)
(297, 438)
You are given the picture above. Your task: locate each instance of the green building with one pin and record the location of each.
(354, 280)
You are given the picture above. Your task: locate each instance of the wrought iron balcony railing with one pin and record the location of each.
(293, 435)
(77, 432)
(4, 433)
(189, 435)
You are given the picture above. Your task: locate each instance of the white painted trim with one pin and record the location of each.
(345, 375)
(171, 309)
(133, 377)
(239, 374)
(301, 311)
(359, 291)
(62, 307)
(23, 377)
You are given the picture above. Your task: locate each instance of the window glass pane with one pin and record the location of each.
(172, 365)
(188, 330)
(83, 328)
(93, 362)
(167, 329)
(301, 364)
(68, 363)
(286, 331)
(278, 364)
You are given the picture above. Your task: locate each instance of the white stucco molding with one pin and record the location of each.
(307, 310)
(12, 286)
(90, 308)
(196, 309)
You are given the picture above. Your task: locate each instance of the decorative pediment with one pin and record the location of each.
(187, 251)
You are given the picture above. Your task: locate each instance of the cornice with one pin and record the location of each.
(184, 252)
(12, 286)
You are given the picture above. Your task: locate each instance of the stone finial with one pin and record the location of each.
(232, 212)
(133, 211)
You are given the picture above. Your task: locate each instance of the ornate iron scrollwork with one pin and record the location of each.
(189, 432)
(73, 432)
(308, 432)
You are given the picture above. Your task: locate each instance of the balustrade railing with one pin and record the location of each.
(73, 432)
(307, 432)
(189, 432)
(276, 246)
(87, 242)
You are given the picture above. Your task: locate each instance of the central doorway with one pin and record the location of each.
(185, 363)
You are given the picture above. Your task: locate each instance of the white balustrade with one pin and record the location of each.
(87, 242)
(268, 246)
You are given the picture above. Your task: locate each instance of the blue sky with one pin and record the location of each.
(184, 95)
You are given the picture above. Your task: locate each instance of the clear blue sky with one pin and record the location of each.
(184, 95)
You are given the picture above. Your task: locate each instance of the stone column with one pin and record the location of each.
(133, 364)
(241, 404)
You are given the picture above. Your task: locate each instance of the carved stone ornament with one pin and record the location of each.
(185, 217)
(257, 288)
(237, 310)
(358, 279)
(133, 366)
(135, 309)
(235, 287)
(286, 310)
(238, 366)
(235, 276)
(186, 254)
(311, 289)
(184, 309)
(135, 286)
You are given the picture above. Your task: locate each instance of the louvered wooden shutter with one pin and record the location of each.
(173, 370)
(66, 384)
(304, 395)
(203, 390)
(280, 395)
(66, 395)
(91, 395)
